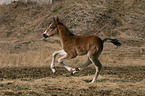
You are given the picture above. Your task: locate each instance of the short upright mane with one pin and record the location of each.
(69, 32)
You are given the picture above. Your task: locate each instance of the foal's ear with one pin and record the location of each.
(53, 18)
(57, 19)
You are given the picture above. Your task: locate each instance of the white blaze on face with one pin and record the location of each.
(47, 30)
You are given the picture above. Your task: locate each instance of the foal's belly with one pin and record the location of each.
(81, 51)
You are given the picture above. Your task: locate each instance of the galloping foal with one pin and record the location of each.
(74, 45)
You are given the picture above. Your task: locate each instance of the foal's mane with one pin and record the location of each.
(69, 32)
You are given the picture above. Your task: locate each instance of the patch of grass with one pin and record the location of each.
(64, 86)
(9, 93)
(56, 9)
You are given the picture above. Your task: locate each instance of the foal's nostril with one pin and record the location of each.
(45, 36)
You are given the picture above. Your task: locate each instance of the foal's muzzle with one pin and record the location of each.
(45, 36)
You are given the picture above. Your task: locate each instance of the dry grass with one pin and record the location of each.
(62, 85)
(25, 58)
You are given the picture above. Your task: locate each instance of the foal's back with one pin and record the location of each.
(83, 44)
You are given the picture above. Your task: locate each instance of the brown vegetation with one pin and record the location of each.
(25, 57)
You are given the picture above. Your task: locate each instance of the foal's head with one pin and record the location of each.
(52, 29)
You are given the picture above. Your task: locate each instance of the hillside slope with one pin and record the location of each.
(113, 18)
(21, 25)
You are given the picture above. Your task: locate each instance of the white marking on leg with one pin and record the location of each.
(67, 67)
(96, 75)
(60, 60)
(61, 52)
(98, 67)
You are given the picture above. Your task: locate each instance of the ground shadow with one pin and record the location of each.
(126, 73)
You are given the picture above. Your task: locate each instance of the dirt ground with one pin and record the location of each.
(116, 81)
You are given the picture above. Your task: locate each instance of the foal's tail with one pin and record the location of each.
(114, 41)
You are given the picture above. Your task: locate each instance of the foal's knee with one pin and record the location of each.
(100, 66)
(54, 54)
(60, 61)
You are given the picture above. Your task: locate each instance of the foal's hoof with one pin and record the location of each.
(74, 71)
(91, 82)
(53, 70)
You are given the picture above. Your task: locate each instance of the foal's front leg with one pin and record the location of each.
(60, 52)
(63, 53)
(60, 60)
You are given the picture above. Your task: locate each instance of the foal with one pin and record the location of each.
(74, 45)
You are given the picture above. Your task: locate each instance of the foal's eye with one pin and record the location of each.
(52, 27)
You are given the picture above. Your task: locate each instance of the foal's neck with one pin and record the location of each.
(63, 34)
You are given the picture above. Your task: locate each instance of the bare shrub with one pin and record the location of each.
(38, 1)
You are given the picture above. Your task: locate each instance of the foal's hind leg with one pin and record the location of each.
(97, 65)
(82, 67)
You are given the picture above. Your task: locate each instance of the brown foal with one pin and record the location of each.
(74, 46)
